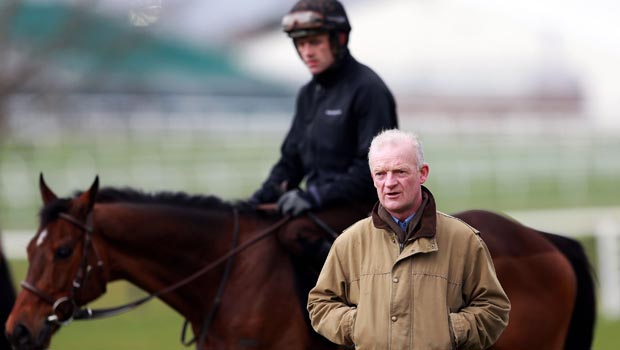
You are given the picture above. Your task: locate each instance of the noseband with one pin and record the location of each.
(65, 308)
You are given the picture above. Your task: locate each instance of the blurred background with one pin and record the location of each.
(518, 104)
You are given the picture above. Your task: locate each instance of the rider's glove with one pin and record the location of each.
(295, 202)
(268, 193)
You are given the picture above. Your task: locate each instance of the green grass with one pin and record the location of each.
(607, 335)
(153, 327)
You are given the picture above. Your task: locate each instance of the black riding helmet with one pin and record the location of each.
(312, 17)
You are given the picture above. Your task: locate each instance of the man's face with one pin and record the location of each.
(315, 52)
(397, 179)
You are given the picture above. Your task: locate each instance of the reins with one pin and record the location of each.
(323, 225)
(91, 314)
(65, 308)
(100, 313)
(218, 296)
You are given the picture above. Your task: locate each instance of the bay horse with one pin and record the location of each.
(219, 265)
(7, 297)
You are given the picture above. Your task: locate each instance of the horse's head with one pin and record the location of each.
(64, 271)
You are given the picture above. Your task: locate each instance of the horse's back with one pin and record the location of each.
(537, 277)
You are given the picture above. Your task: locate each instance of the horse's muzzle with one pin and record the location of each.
(22, 339)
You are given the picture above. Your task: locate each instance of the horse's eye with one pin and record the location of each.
(63, 252)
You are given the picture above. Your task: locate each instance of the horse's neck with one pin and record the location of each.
(156, 248)
(153, 247)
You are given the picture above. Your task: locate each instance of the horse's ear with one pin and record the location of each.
(46, 194)
(88, 197)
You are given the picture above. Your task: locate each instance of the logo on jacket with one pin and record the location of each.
(333, 112)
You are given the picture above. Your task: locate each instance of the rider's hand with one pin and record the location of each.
(295, 202)
(268, 193)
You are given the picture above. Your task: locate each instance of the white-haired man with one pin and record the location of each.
(408, 277)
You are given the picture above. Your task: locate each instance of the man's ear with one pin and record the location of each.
(424, 171)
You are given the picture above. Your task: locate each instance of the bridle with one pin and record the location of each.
(65, 308)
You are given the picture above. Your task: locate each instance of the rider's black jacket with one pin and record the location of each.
(337, 114)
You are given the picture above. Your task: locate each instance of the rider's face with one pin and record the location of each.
(315, 52)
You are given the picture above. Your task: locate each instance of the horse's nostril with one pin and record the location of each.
(20, 338)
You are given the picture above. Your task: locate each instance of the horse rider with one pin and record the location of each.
(337, 113)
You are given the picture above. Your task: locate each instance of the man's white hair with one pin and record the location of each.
(397, 137)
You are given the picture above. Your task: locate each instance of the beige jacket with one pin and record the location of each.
(440, 292)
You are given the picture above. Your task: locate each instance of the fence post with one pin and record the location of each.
(607, 236)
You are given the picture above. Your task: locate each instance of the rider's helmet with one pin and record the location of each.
(311, 17)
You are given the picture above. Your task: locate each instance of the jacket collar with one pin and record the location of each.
(424, 225)
(334, 72)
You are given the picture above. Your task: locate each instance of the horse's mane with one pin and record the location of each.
(182, 199)
(129, 195)
(177, 199)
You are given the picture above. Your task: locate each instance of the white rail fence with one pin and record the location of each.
(603, 223)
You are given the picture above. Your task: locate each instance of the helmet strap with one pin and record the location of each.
(338, 42)
(343, 38)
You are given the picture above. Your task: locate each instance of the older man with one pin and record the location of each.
(408, 277)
